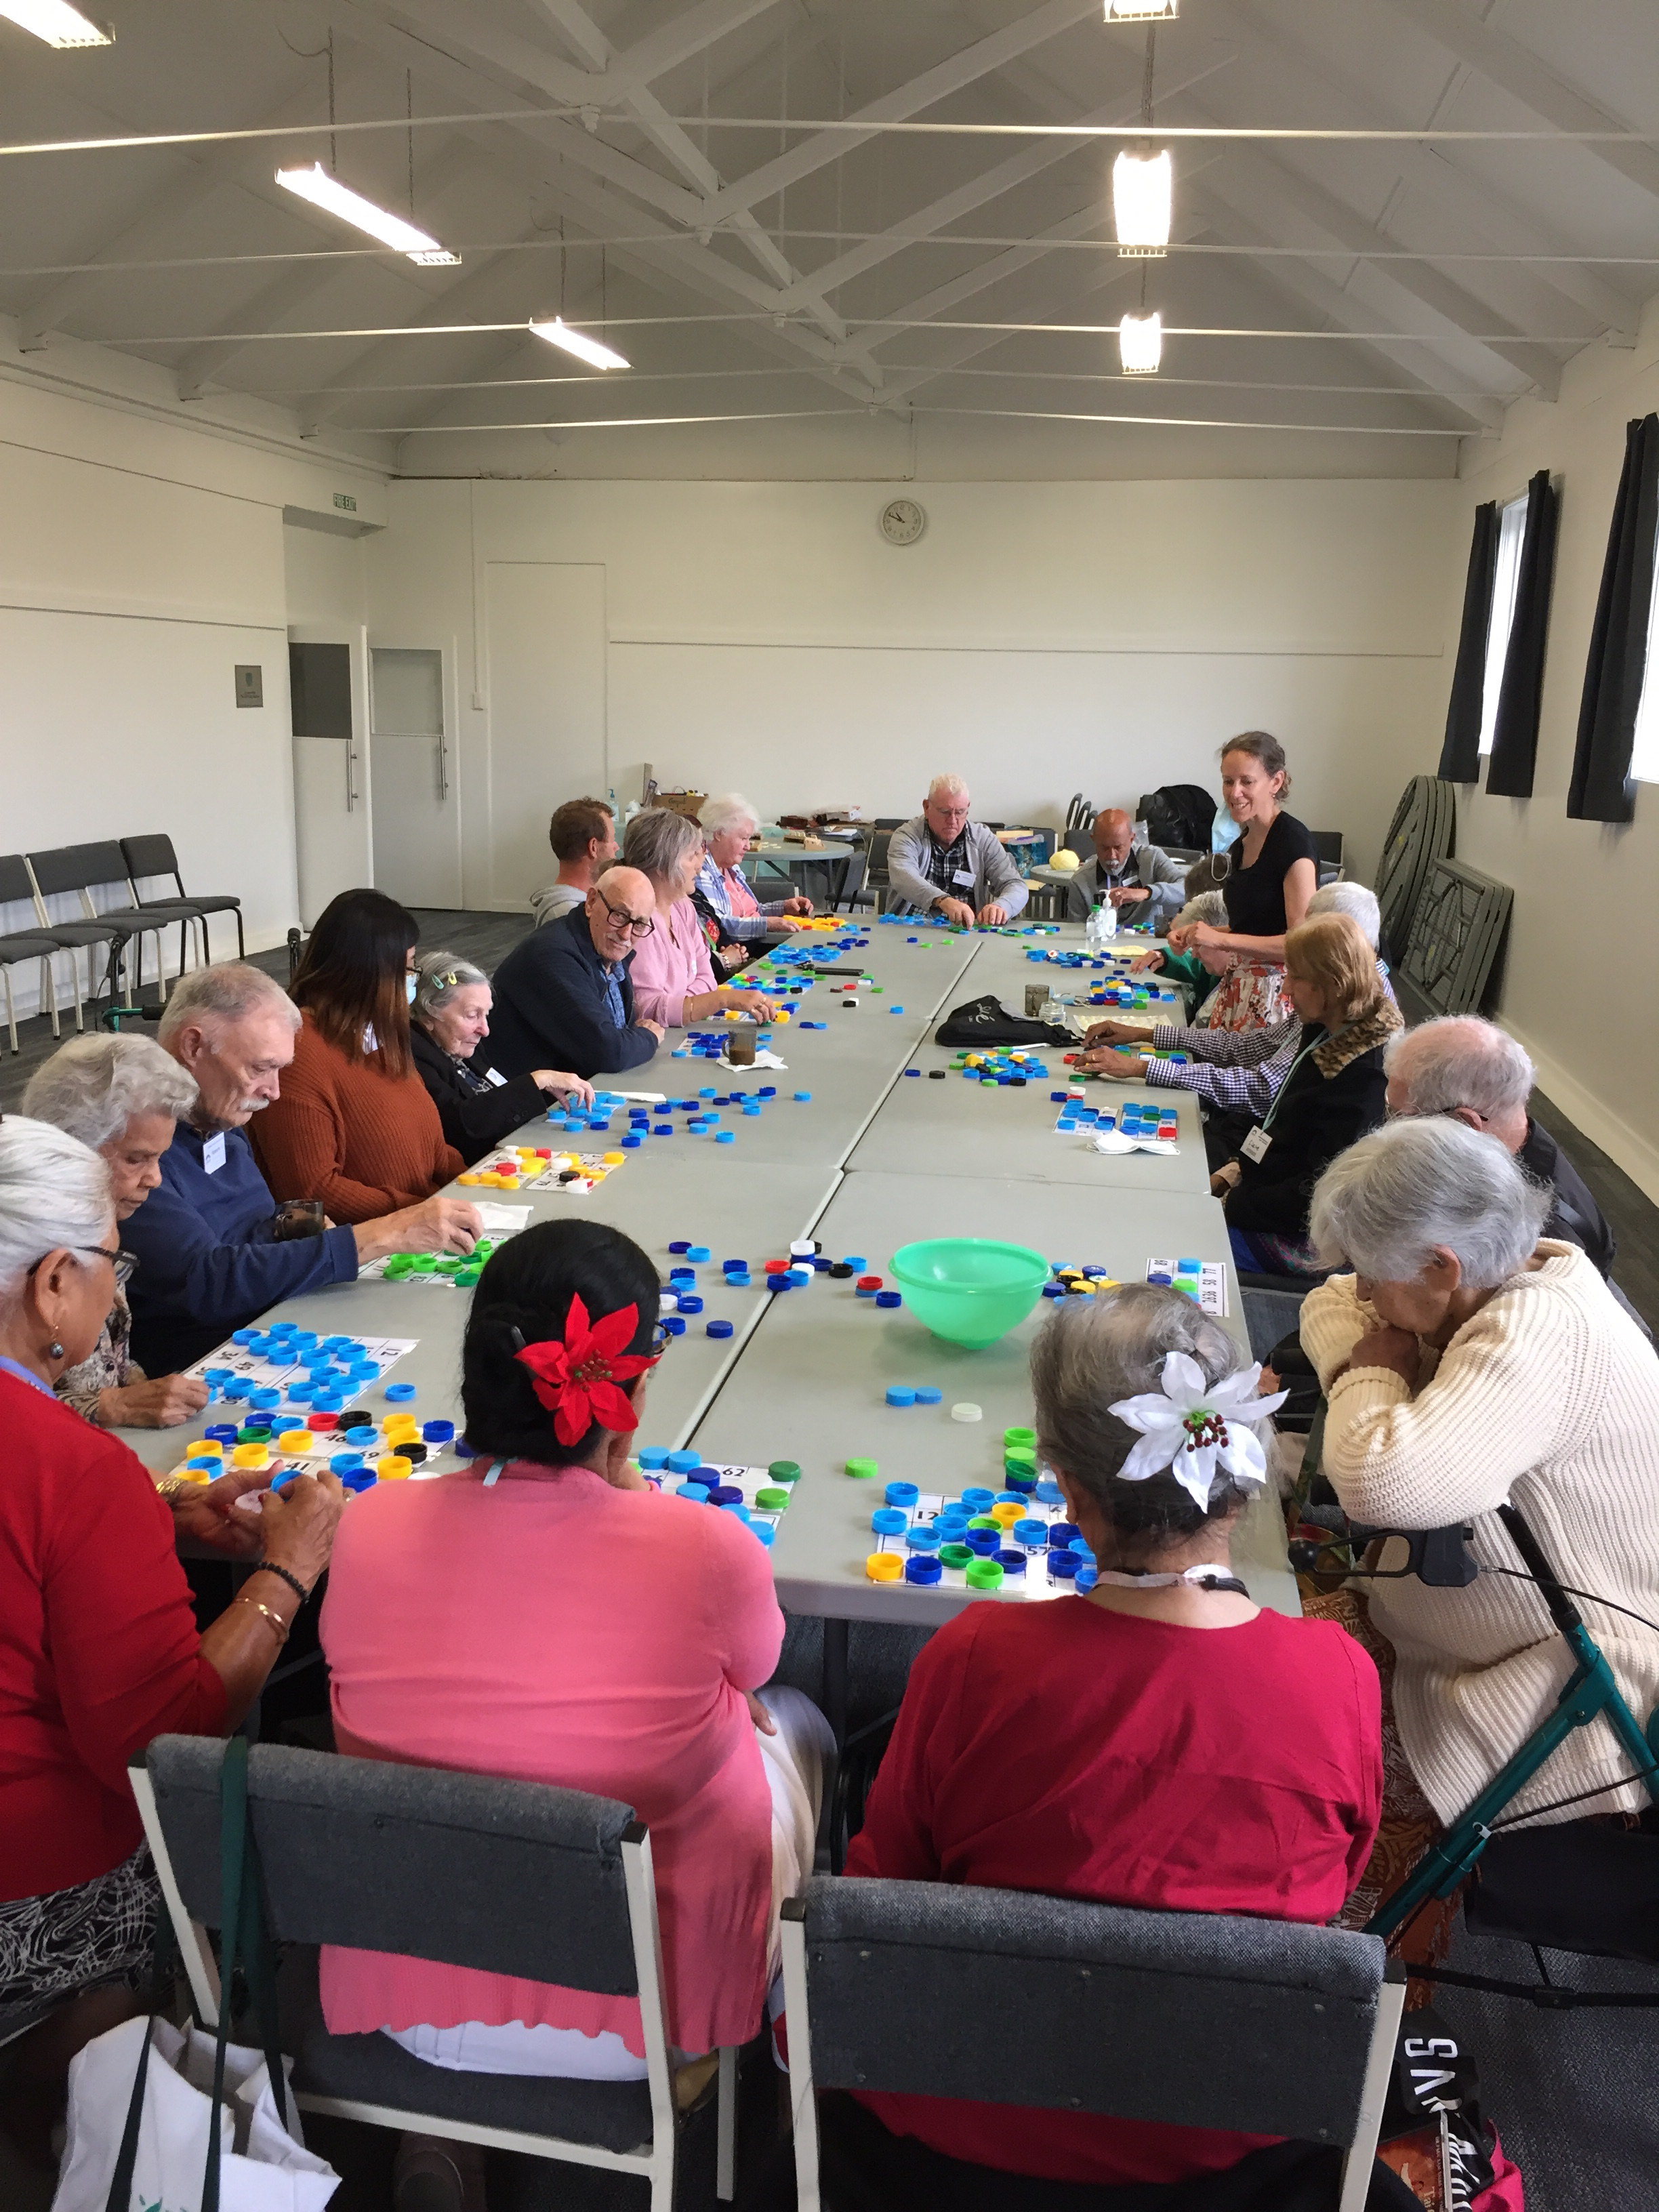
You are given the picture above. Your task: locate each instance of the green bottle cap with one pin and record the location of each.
(956, 1555)
(865, 1470)
(1019, 1439)
(984, 1521)
(771, 1501)
(984, 1574)
(784, 1470)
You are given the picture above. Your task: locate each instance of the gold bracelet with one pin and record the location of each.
(169, 1485)
(275, 1619)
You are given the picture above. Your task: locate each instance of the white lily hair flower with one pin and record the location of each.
(1192, 1427)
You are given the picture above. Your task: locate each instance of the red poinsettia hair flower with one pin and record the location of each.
(577, 1380)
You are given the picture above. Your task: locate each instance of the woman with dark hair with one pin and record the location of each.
(355, 1127)
(1161, 1742)
(1275, 868)
(546, 1615)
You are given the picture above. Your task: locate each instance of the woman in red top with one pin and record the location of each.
(1161, 1742)
(355, 1126)
(98, 1647)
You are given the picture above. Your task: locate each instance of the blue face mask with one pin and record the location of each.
(1224, 831)
(410, 983)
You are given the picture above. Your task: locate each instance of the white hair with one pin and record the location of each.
(95, 1086)
(1354, 900)
(438, 977)
(1208, 906)
(1458, 1059)
(727, 811)
(947, 787)
(54, 1192)
(1384, 1205)
(228, 992)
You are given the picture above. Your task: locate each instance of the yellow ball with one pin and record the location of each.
(1065, 862)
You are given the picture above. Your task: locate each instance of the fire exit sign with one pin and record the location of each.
(345, 502)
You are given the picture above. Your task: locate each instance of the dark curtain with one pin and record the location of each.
(1602, 788)
(1459, 756)
(1515, 732)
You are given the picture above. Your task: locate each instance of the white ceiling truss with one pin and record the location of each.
(1444, 200)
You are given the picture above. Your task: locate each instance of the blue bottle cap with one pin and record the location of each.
(887, 1299)
(895, 1010)
(680, 1244)
(1011, 1562)
(1086, 1578)
(978, 1500)
(985, 1543)
(855, 1261)
(768, 1090)
(1032, 1533)
(697, 1492)
(784, 1281)
(1048, 1491)
(1063, 1566)
(682, 1462)
(1061, 1534)
(221, 1433)
(672, 1325)
(804, 1097)
(630, 1144)
(662, 1128)
(682, 1275)
(922, 1540)
(717, 1328)
(736, 1507)
(269, 1398)
(653, 1458)
(399, 1393)
(438, 1433)
(921, 1567)
(723, 1493)
(217, 1378)
(363, 1438)
(699, 1252)
(898, 1395)
(689, 1304)
(734, 1266)
(345, 1462)
(889, 1521)
(927, 1396)
(902, 1493)
(909, 1071)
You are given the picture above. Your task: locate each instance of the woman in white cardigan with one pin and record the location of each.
(1468, 1364)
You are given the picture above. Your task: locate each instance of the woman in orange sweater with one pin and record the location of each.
(354, 1126)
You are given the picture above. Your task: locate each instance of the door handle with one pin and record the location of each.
(351, 775)
(443, 770)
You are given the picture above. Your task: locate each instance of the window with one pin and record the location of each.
(1511, 534)
(1645, 751)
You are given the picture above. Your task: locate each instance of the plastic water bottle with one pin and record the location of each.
(1094, 930)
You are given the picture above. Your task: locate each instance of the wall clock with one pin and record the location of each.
(903, 522)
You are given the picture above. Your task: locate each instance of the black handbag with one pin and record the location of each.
(988, 1021)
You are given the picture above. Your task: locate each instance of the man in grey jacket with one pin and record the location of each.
(943, 864)
(1143, 884)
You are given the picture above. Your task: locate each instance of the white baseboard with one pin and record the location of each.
(1633, 1152)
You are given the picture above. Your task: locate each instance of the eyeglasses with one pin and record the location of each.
(637, 926)
(124, 1264)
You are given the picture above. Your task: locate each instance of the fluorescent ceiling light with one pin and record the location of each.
(324, 191)
(1140, 343)
(1141, 11)
(1143, 186)
(559, 334)
(56, 22)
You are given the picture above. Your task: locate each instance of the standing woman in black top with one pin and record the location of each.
(1275, 870)
(449, 1022)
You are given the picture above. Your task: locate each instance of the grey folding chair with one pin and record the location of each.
(509, 1877)
(17, 946)
(1008, 1998)
(71, 871)
(153, 856)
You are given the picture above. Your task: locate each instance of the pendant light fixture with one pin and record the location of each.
(1141, 11)
(323, 191)
(56, 22)
(1142, 184)
(1140, 343)
(559, 334)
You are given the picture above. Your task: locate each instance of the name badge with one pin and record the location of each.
(963, 876)
(213, 1154)
(493, 1075)
(1256, 1146)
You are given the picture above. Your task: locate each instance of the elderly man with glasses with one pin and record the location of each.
(943, 863)
(563, 995)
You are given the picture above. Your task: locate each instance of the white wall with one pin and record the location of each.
(1040, 638)
(1577, 988)
(141, 559)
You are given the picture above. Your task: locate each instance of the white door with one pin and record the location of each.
(417, 812)
(546, 658)
(333, 834)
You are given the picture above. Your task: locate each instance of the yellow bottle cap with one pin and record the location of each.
(393, 1469)
(250, 1455)
(884, 1567)
(613, 1159)
(1005, 1516)
(209, 1448)
(469, 1178)
(295, 1440)
(400, 1426)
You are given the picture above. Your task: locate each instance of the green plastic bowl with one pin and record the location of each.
(969, 1290)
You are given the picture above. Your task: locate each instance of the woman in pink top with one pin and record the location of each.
(673, 982)
(545, 1615)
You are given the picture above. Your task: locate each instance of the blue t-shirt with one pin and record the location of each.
(206, 1262)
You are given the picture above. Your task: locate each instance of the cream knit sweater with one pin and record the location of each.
(1548, 1397)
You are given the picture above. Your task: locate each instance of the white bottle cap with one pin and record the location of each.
(965, 1412)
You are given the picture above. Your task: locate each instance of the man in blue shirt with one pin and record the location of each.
(209, 1260)
(564, 990)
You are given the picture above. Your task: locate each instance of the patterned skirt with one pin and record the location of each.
(51, 1948)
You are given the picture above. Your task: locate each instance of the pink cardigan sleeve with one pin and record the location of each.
(670, 966)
